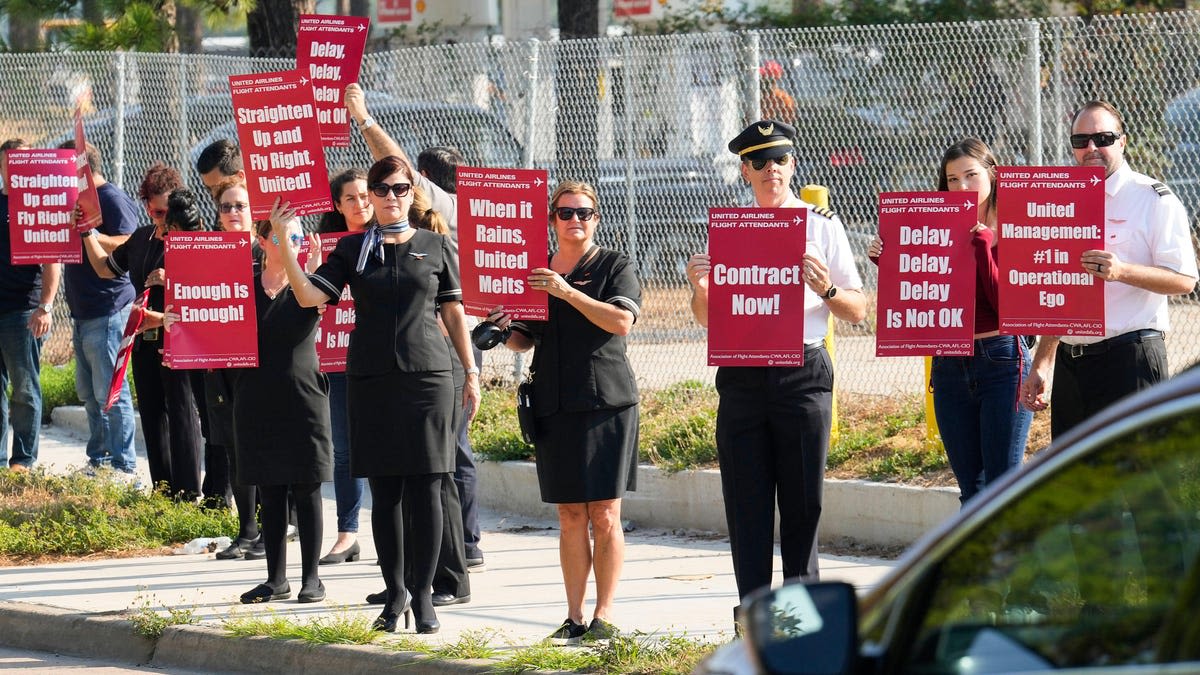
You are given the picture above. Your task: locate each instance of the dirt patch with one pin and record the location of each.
(31, 560)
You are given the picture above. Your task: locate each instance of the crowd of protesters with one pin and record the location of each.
(264, 439)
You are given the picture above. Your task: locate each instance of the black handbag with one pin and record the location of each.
(525, 416)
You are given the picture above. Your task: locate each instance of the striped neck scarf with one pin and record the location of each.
(373, 241)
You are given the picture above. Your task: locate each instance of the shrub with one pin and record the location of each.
(58, 388)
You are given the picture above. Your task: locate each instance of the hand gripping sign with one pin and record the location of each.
(926, 274)
(1048, 216)
(756, 287)
(281, 142)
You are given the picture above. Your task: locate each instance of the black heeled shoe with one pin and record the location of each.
(426, 625)
(387, 620)
(349, 555)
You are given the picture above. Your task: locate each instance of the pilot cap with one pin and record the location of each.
(765, 139)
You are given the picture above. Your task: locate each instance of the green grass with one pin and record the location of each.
(341, 628)
(42, 514)
(150, 622)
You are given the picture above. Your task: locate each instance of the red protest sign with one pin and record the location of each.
(333, 333)
(756, 287)
(628, 8)
(502, 235)
(330, 49)
(41, 204)
(89, 199)
(137, 312)
(281, 142)
(926, 274)
(1048, 217)
(209, 277)
(393, 12)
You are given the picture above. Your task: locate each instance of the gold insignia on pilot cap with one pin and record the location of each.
(767, 130)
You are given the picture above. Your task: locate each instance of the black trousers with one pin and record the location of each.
(773, 428)
(216, 486)
(1088, 379)
(169, 422)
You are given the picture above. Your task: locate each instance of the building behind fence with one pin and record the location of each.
(646, 119)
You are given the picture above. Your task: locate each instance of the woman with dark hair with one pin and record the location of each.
(585, 402)
(399, 275)
(166, 403)
(983, 427)
(352, 212)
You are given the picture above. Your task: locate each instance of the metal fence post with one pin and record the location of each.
(1033, 70)
(531, 109)
(750, 83)
(118, 176)
(629, 95)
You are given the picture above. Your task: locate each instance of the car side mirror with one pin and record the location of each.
(803, 629)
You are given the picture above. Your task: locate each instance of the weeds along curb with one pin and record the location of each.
(205, 648)
(61, 631)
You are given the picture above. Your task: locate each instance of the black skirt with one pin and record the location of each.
(587, 456)
(401, 424)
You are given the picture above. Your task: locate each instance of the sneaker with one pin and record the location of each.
(600, 630)
(476, 565)
(569, 633)
(90, 470)
(125, 478)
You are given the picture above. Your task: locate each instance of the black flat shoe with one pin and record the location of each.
(308, 594)
(234, 551)
(257, 550)
(349, 555)
(265, 593)
(427, 627)
(443, 599)
(379, 598)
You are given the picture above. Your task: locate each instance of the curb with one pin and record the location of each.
(50, 629)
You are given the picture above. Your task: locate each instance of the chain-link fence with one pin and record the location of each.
(647, 119)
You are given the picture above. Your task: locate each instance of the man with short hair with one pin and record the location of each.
(774, 422)
(26, 305)
(218, 161)
(1148, 256)
(99, 309)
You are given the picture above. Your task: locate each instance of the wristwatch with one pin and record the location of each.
(367, 123)
(47, 308)
(473, 370)
(86, 233)
(828, 295)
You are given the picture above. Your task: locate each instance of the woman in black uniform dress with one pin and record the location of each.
(401, 391)
(281, 421)
(585, 402)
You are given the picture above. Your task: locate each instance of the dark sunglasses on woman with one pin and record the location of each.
(398, 189)
(566, 213)
(235, 206)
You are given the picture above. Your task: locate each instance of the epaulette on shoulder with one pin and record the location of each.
(827, 212)
(1161, 189)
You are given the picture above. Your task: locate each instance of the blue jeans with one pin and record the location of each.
(20, 364)
(347, 490)
(110, 440)
(983, 427)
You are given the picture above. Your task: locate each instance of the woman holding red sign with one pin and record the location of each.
(400, 388)
(166, 403)
(585, 401)
(983, 427)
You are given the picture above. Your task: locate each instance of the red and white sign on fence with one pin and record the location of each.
(756, 287)
(1048, 216)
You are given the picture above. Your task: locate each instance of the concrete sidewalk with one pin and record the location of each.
(670, 583)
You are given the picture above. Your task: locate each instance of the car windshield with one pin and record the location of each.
(1095, 566)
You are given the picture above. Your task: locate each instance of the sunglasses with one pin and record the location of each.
(1102, 139)
(566, 213)
(235, 206)
(758, 164)
(382, 189)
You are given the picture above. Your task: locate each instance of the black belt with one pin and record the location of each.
(1076, 351)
